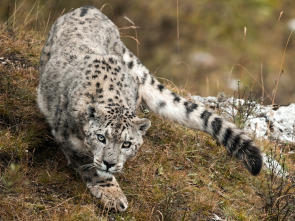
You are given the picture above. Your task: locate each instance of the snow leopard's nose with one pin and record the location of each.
(108, 165)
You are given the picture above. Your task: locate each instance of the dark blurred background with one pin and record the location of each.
(218, 44)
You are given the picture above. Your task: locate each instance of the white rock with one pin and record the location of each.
(274, 166)
(264, 122)
(217, 218)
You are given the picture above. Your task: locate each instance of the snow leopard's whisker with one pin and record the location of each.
(88, 166)
(99, 151)
(85, 154)
(121, 172)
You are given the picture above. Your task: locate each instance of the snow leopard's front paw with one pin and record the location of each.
(111, 196)
(114, 199)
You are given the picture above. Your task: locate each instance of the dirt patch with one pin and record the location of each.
(16, 61)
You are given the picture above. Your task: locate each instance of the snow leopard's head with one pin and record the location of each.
(113, 134)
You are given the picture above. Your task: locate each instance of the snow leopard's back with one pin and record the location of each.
(73, 38)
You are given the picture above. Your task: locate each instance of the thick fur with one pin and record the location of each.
(90, 86)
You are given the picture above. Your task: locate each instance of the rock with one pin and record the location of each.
(263, 122)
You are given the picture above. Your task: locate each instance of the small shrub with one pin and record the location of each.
(280, 195)
(244, 106)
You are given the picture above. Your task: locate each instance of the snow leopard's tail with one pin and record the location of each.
(194, 115)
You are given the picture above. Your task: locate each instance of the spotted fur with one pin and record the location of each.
(90, 86)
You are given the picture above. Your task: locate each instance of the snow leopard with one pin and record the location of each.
(90, 86)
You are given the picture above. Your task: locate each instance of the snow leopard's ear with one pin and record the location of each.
(93, 111)
(90, 111)
(142, 125)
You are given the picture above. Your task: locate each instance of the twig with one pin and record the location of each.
(281, 67)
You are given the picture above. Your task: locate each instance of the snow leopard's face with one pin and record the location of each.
(113, 135)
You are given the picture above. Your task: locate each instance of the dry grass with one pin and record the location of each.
(179, 174)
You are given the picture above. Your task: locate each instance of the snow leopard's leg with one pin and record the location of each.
(104, 186)
(193, 115)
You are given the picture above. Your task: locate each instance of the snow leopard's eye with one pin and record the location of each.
(101, 138)
(126, 144)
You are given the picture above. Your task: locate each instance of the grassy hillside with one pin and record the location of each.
(179, 174)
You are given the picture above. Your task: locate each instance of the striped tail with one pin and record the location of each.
(194, 115)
